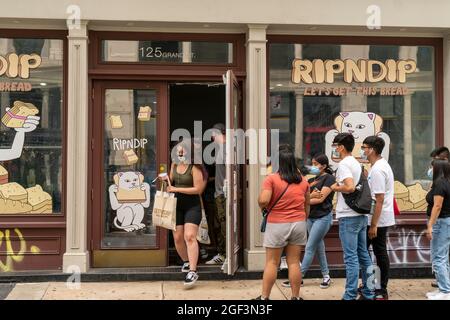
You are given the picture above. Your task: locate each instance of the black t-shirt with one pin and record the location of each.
(322, 209)
(441, 187)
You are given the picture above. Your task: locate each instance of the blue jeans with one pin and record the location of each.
(317, 230)
(439, 253)
(352, 232)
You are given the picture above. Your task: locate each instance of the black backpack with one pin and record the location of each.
(360, 200)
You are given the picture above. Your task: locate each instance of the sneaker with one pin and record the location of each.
(203, 253)
(434, 284)
(283, 264)
(296, 298)
(185, 267)
(260, 298)
(362, 297)
(379, 295)
(217, 259)
(326, 282)
(440, 296)
(191, 278)
(432, 293)
(287, 284)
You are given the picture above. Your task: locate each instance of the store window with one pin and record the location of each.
(31, 106)
(373, 90)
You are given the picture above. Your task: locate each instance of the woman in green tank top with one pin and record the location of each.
(187, 184)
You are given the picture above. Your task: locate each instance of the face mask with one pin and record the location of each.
(363, 156)
(430, 173)
(335, 154)
(314, 170)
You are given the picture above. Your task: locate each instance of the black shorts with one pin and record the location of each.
(189, 209)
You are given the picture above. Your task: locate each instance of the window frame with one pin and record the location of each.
(60, 216)
(436, 43)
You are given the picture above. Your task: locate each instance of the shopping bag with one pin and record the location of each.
(165, 209)
(202, 234)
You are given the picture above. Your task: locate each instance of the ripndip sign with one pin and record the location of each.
(319, 71)
(13, 66)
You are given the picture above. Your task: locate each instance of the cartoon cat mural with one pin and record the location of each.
(129, 196)
(361, 125)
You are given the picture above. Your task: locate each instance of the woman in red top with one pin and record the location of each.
(286, 223)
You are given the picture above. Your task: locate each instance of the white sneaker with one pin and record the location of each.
(217, 259)
(283, 264)
(191, 278)
(432, 293)
(440, 296)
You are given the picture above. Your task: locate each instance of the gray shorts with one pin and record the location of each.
(279, 235)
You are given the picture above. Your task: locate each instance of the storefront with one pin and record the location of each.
(32, 204)
(110, 90)
(144, 87)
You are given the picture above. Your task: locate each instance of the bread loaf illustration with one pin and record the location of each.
(8, 206)
(16, 116)
(130, 157)
(3, 175)
(116, 122)
(417, 196)
(401, 191)
(144, 113)
(13, 191)
(39, 200)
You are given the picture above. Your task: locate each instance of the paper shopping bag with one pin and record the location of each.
(165, 210)
(202, 234)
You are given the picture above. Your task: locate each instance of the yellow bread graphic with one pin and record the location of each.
(39, 199)
(116, 122)
(417, 195)
(17, 114)
(8, 206)
(401, 191)
(130, 157)
(3, 175)
(144, 113)
(404, 205)
(131, 196)
(13, 191)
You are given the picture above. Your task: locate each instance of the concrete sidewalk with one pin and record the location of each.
(411, 289)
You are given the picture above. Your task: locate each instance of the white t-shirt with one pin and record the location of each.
(349, 167)
(381, 180)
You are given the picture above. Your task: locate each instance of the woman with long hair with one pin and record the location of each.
(285, 194)
(438, 228)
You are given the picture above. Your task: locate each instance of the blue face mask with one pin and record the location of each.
(314, 170)
(430, 173)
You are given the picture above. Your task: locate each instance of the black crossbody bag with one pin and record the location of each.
(265, 212)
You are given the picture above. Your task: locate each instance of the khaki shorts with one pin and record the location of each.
(279, 235)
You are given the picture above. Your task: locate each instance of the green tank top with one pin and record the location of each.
(184, 180)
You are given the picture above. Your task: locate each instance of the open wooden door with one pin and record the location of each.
(232, 185)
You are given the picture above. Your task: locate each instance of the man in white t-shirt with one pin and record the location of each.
(381, 182)
(352, 225)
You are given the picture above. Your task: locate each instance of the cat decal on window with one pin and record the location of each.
(361, 125)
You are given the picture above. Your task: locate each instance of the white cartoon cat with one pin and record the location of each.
(130, 215)
(361, 125)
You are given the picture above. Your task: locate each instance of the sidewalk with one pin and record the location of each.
(410, 289)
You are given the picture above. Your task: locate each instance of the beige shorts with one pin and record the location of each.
(279, 235)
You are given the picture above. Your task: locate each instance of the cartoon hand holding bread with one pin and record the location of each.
(23, 118)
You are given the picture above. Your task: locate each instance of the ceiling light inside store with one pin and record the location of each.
(313, 28)
(279, 85)
(42, 84)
